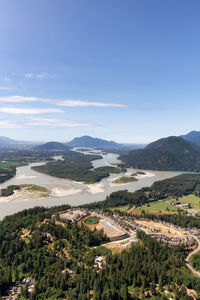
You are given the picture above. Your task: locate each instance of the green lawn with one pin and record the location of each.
(158, 206)
(121, 208)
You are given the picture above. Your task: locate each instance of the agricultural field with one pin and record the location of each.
(8, 164)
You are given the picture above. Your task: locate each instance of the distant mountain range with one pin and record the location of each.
(193, 137)
(171, 153)
(88, 141)
(51, 146)
(5, 141)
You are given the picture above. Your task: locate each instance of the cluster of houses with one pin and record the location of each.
(15, 289)
(74, 214)
(29, 283)
(128, 225)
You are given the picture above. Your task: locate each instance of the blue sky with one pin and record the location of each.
(122, 70)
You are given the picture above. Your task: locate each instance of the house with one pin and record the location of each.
(99, 261)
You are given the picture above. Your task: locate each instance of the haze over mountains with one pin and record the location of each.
(5, 141)
(172, 153)
(89, 142)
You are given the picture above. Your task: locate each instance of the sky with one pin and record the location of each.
(127, 71)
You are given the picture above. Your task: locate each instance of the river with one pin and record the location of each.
(65, 191)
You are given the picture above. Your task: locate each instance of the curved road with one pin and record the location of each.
(195, 251)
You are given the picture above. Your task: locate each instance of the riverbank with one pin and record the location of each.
(26, 193)
(129, 174)
(64, 191)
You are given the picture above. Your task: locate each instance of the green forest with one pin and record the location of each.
(78, 167)
(49, 251)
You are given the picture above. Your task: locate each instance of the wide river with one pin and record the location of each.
(63, 191)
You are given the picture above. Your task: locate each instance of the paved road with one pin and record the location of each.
(188, 264)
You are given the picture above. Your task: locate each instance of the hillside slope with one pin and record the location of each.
(88, 141)
(172, 153)
(51, 146)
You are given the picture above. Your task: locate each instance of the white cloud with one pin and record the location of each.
(29, 111)
(19, 99)
(58, 123)
(28, 75)
(47, 122)
(80, 103)
(6, 123)
(7, 88)
(59, 102)
(44, 76)
(41, 75)
(6, 78)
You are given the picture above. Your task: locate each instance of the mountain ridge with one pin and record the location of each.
(192, 136)
(166, 154)
(50, 146)
(88, 141)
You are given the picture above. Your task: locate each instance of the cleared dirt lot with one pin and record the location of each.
(153, 227)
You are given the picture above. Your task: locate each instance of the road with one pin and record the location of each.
(188, 264)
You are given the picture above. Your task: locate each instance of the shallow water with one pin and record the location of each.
(25, 175)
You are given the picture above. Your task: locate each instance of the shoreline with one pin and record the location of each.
(61, 190)
(128, 174)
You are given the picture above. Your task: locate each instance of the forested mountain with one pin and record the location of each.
(171, 153)
(50, 146)
(193, 137)
(88, 141)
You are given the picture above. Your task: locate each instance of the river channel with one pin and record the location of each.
(63, 191)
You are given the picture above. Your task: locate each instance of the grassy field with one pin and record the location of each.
(121, 208)
(164, 206)
(9, 164)
(193, 200)
(158, 206)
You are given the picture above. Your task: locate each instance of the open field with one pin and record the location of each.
(120, 208)
(165, 206)
(162, 206)
(193, 200)
(8, 164)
